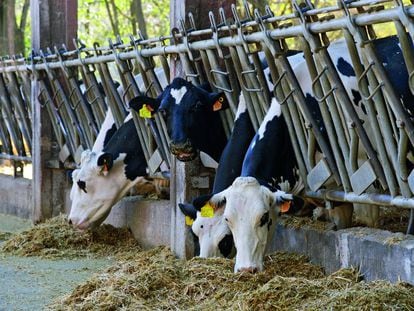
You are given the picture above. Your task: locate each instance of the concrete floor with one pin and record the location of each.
(31, 283)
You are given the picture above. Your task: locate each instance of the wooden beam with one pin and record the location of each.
(182, 173)
(53, 23)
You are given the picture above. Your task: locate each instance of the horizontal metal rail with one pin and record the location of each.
(387, 15)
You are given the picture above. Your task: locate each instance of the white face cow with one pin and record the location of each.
(96, 188)
(213, 234)
(250, 211)
(106, 176)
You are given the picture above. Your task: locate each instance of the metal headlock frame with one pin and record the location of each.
(229, 61)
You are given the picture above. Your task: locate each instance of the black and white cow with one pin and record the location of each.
(193, 120)
(268, 162)
(106, 176)
(249, 206)
(96, 189)
(213, 234)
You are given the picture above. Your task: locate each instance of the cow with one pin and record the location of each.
(268, 164)
(192, 115)
(250, 207)
(213, 234)
(105, 175)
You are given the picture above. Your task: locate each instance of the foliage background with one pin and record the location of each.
(99, 20)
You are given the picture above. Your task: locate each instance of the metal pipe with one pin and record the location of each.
(366, 198)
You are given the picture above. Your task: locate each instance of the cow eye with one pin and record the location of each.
(201, 226)
(226, 219)
(82, 185)
(265, 219)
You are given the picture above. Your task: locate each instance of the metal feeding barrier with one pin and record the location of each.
(230, 56)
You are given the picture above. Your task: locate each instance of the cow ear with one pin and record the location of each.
(287, 203)
(144, 105)
(218, 101)
(200, 201)
(105, 162)
(188, 210)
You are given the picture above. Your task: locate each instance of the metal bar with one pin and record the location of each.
(366, 198)
(20, 111)
(384, 145)
(292, 31)
(15, 158)
(9, 118)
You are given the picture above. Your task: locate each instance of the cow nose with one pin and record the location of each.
(249, 270)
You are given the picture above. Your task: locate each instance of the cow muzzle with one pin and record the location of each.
(183, 151)
(248, 270)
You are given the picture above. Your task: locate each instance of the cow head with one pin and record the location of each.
(97, 186)
(191, 113)
(213, 234)
(250, 211)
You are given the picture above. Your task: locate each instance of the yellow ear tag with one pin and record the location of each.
(217, 105)
(284, 208)
(207, 211)
(145, 112)
(189, 221)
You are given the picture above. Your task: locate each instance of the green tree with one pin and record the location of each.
(13, 26)
(103, 19)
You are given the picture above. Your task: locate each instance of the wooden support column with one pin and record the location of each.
(182, 173)
(53, 23)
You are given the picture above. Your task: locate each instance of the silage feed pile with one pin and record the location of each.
(55, 238)
(155, 280)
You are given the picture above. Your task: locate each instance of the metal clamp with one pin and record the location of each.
(184, 33)
(316, 80)
(219, 87)
(243, 82)
(215, 34)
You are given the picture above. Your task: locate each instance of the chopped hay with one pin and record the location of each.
(299, 222)
(156, 280)
(395, 238)
(55, 238)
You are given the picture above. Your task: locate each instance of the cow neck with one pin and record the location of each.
(231, 160)
(270, 157)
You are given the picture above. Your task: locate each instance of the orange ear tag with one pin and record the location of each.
(284, 208)
(189, 221)
(145, 112)
(207, 211)
(217, 105)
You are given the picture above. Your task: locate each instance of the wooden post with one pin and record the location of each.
(53, 23)
(182, 173)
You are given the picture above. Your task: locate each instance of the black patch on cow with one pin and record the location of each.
(264, 220)
(269, 224)
(109, 134)
(356, 98)
(106, 159)
(196, 243)
(226, 245)
(345, 68)
(316, 113)
(125, 140)
(188, 210)
(82, 185)
(200, 201)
